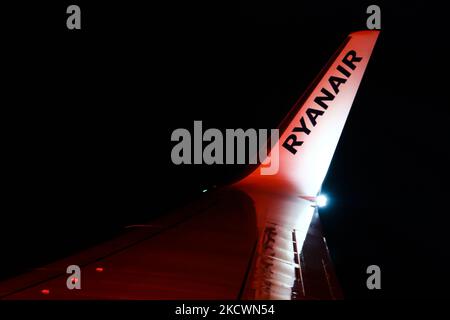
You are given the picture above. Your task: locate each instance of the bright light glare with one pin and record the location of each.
(321, 201)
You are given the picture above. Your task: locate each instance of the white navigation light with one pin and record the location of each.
(321, 201)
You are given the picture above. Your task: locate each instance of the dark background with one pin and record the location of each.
(87, 117)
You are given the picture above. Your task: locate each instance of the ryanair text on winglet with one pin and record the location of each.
(292, 142)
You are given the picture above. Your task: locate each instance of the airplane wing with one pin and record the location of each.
(259, 238)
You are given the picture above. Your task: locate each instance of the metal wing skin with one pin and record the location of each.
(259, 238)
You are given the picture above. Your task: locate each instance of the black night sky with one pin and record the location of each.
(88, 117)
